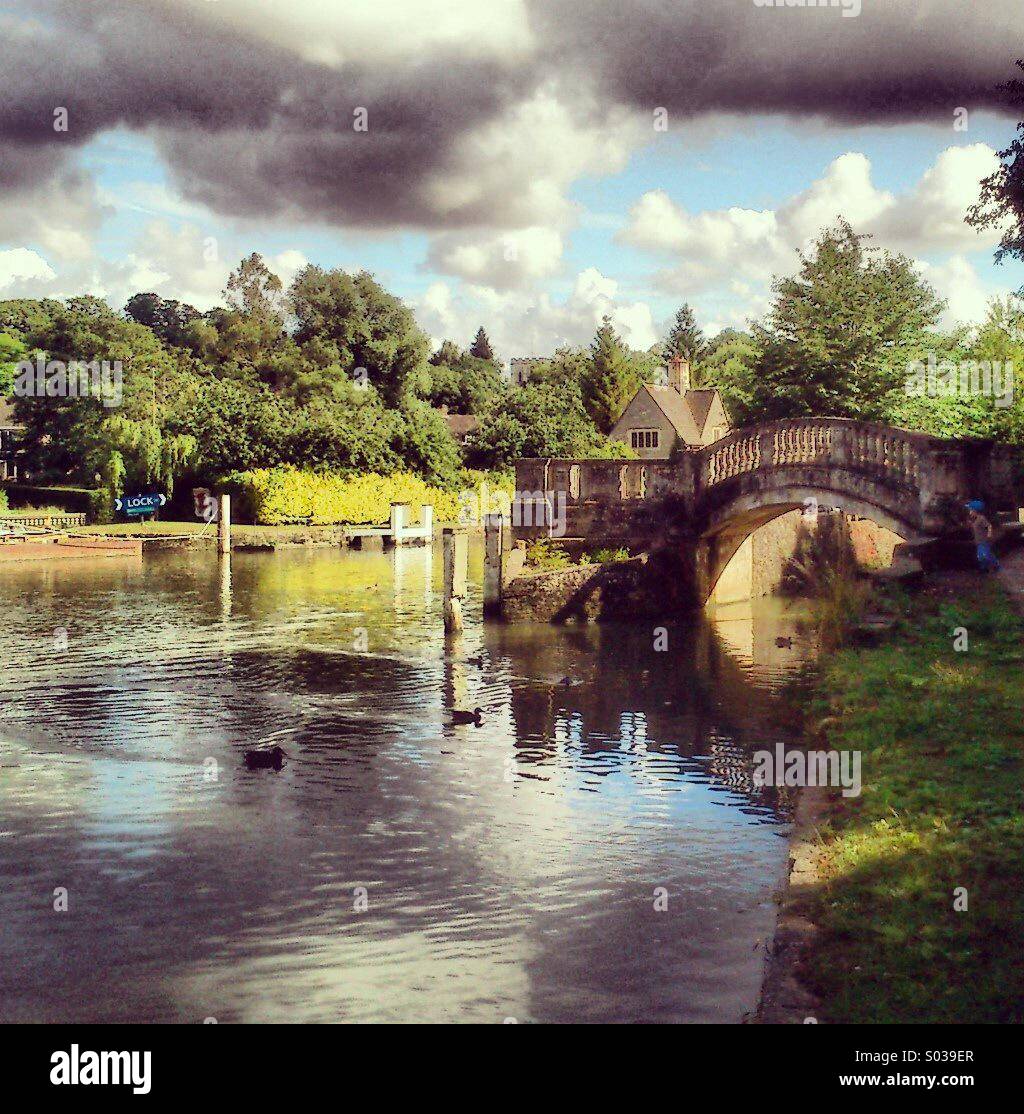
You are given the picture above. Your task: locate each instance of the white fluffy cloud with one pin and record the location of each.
(958, 282)
(59, 216)
(716, 246)
(21, 265)
(521, 324)
(175, 261)
(513, 171)
(503, 260)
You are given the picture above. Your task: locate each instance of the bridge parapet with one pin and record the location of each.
(912, 480)
(885, 451)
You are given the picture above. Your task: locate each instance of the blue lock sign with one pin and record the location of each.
(140, 504)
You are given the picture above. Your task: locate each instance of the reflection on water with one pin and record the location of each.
(510, 871)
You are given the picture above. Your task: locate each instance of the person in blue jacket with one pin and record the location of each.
(981, 528)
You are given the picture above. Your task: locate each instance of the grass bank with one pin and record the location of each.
(240, 534)
(941, 734)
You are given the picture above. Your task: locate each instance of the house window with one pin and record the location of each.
(644, 438)
(574, 481)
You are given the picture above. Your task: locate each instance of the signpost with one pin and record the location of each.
(135, 505)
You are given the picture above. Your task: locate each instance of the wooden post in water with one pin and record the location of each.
(224, 524)
(494, 538)
(456, 555)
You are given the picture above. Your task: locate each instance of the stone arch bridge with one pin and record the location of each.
(701, 505)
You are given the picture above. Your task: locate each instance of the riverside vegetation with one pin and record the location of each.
(333, 375)
(920, 903)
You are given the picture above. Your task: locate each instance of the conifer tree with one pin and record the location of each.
(685, 338)
(481, 347)
(611, 380)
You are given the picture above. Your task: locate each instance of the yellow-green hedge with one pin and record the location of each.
(276, 496)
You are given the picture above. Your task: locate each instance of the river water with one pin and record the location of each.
(593, 852)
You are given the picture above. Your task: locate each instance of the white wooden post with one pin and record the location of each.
(399, 518)
(224, 525)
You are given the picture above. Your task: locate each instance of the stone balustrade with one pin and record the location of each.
(913, 479)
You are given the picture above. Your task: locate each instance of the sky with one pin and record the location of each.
(526, 165)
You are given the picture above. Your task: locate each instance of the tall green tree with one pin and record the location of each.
(347, 322)
(841, 333)
(538, 420)
(481, 346)
(1001, 204)
(611, 379)
(733, 366)
(449, 354)
(168, 318)
(464, 386)
(685, 338)
(255, 291)
(12, 352)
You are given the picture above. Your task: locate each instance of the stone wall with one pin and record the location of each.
(631, 589)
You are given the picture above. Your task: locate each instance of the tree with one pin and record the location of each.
(481, 346)
(841, 333)
(69, 436)
(168, 318)
(1001, 204)
(350, 322)
(685, 338)
(12, 352)
(732, 366)
(992, 355)
(567, 369)
(464, 386)
(539, 419)
(611, 380)
(448, 354)
(427, 446)
(253, 290)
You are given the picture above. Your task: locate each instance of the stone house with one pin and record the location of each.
(661, 418)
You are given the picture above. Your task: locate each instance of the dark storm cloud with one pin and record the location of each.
(249, 127)
(898, 60)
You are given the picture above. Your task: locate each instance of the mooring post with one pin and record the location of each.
(224, 524)
(494, 542)
(456, 553)
(399, 520)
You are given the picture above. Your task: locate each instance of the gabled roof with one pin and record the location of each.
(700, 404)
(672, 404)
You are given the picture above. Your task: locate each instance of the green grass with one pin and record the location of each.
(147, 529)
(240, 534)
(941, 736)
(36, 512)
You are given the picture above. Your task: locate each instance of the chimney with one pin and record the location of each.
(679, 374)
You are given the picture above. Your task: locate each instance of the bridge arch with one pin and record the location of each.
(691, 512)
(732, 523)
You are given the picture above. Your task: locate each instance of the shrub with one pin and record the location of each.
(603, 556)
(3, 502)
(277, 496)
(546, 554)
(70, 500)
